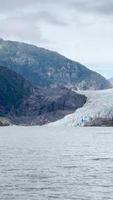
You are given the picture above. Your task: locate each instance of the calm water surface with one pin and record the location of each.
(56, 163)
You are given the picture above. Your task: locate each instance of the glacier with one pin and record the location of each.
(99, 105)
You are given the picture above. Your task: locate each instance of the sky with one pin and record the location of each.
(81, 30)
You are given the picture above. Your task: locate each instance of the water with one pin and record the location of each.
(56, 163)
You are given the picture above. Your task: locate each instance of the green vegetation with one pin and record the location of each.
(13, 89)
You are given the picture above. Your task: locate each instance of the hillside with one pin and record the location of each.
(98, 111)
(21, 103)
(48, 69)
(13, 90)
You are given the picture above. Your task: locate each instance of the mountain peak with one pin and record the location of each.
(111, 80)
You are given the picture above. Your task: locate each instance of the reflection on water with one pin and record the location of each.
(56, 163)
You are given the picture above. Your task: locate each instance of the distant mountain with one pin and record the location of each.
(48, 69)
(111, 80)
(21, 103)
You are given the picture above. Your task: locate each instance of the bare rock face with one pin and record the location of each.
(48, 69)
(22, 103)
(4, 122)
(45, 106)
(107, 122)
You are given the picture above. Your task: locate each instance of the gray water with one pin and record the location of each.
(56, 163)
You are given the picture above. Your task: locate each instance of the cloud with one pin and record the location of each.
(20, 31)
(11, 5)
(80, 29)
(22, 20)
(104, 7)
(101, 6)
(20, 28)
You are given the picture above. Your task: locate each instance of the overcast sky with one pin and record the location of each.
(79, 29)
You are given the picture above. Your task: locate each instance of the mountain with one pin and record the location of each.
(22, 103)
(111, 80)
(48, 69)
(45, 106)
(13, 90)
(98, 111)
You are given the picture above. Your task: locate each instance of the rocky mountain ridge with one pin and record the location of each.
(48, 69)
